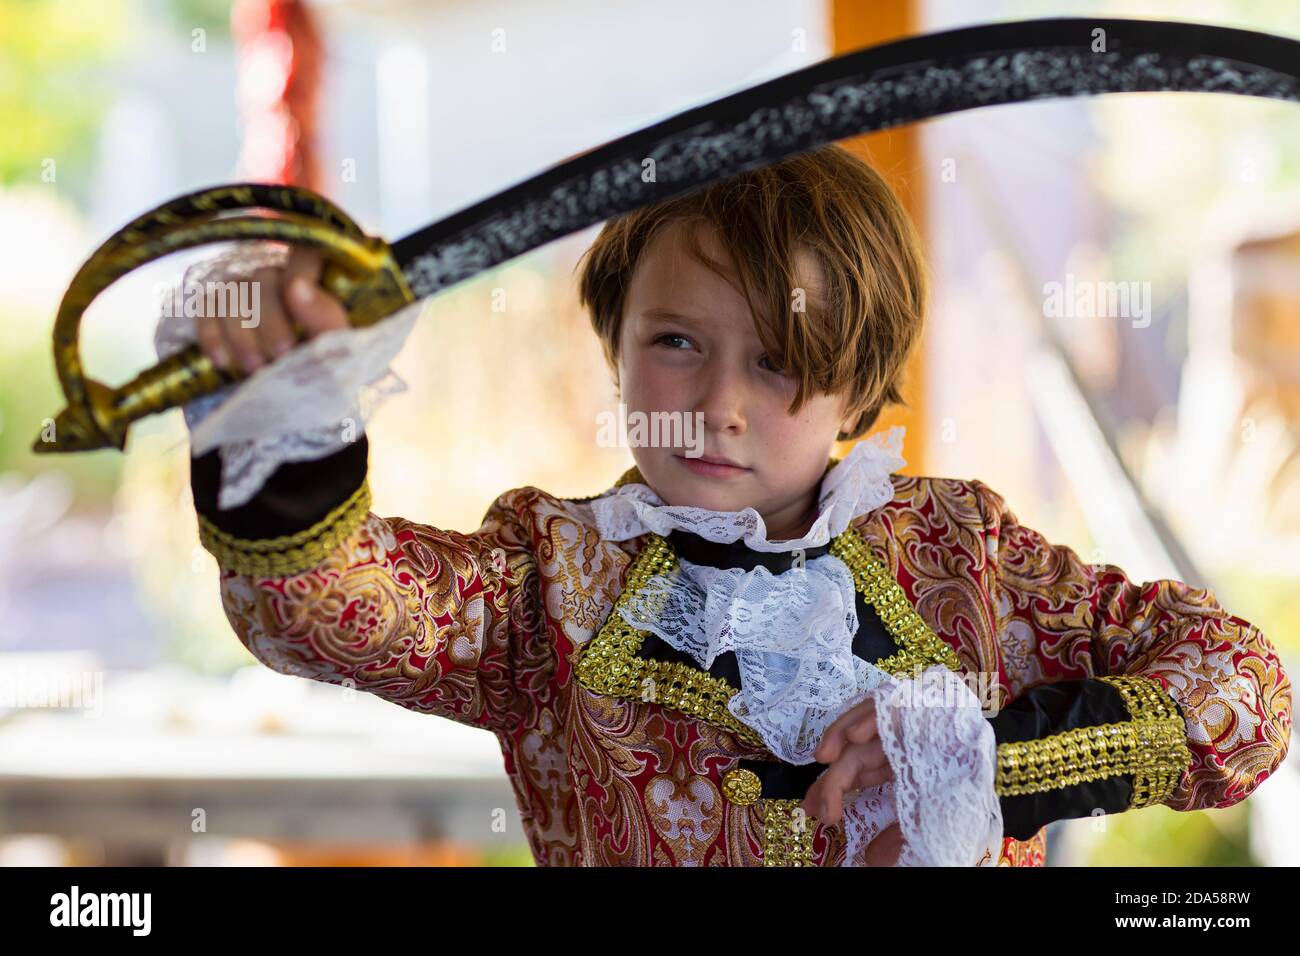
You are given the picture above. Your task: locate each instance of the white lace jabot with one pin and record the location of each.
(858, 484)
(792, 635)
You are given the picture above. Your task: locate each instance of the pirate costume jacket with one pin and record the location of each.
(623, 739)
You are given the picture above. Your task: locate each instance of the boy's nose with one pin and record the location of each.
(723, 402)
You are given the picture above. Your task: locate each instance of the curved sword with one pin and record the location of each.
(860, 92)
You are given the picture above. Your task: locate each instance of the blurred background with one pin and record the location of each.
(1162, 436)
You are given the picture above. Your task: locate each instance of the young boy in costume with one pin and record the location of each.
(762, 655)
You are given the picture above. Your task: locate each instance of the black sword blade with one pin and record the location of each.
(871, 89)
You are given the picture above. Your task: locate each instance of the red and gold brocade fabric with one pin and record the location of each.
(485, 629)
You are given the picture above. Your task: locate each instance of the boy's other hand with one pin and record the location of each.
(292, 305)
(886, 848)
(852, 747)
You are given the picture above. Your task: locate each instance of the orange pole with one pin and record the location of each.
(896, 154)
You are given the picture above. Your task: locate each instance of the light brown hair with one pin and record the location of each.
(856, 338)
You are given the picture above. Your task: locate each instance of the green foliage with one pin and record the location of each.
(212, 16)
(517, 855)
(50, 104)
(1159, 836)
(53, 55)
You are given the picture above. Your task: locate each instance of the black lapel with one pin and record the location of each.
(780, 780)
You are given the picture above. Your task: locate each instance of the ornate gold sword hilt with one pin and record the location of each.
(359, 269)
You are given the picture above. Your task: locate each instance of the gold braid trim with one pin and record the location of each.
(292, 553)
(609, 663)
(1152, 746)
(919, 646)
(787, 833)
(1167, 756)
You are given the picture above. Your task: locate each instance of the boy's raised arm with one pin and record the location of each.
(316, 585)
(1126, 694)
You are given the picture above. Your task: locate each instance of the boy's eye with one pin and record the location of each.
(671, 335)
(668, 338)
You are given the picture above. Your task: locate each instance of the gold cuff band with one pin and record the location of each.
(1168, 756)
(288, 554)
(1152, 746)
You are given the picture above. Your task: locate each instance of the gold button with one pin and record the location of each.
(741, 786)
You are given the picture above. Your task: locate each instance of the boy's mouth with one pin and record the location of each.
(712, 466)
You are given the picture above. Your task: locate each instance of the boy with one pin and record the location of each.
(780, 307)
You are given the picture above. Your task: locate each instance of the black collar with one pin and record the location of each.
(734, 554)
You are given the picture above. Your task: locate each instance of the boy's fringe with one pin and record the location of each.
(857, 332)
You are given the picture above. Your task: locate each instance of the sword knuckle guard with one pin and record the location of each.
(359, 269)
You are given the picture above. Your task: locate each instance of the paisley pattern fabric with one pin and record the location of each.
(485, 628)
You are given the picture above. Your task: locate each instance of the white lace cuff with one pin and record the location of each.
(944, 757)
(306, 405)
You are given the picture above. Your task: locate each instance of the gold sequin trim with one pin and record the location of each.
(288, 554)
(1152, 746)
(1166, 756)
(609, 664)
(787, 834)
(919, 646)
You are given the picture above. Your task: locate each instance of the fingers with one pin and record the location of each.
(837, 734)
(274, 335)
(246, 338)
(830, 798)
(313, 308)
(861, 766)
(862, 731)
(208, 330)
(287, 303)
(871, 776)
(886, 848)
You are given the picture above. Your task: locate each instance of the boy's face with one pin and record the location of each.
(689, 344)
